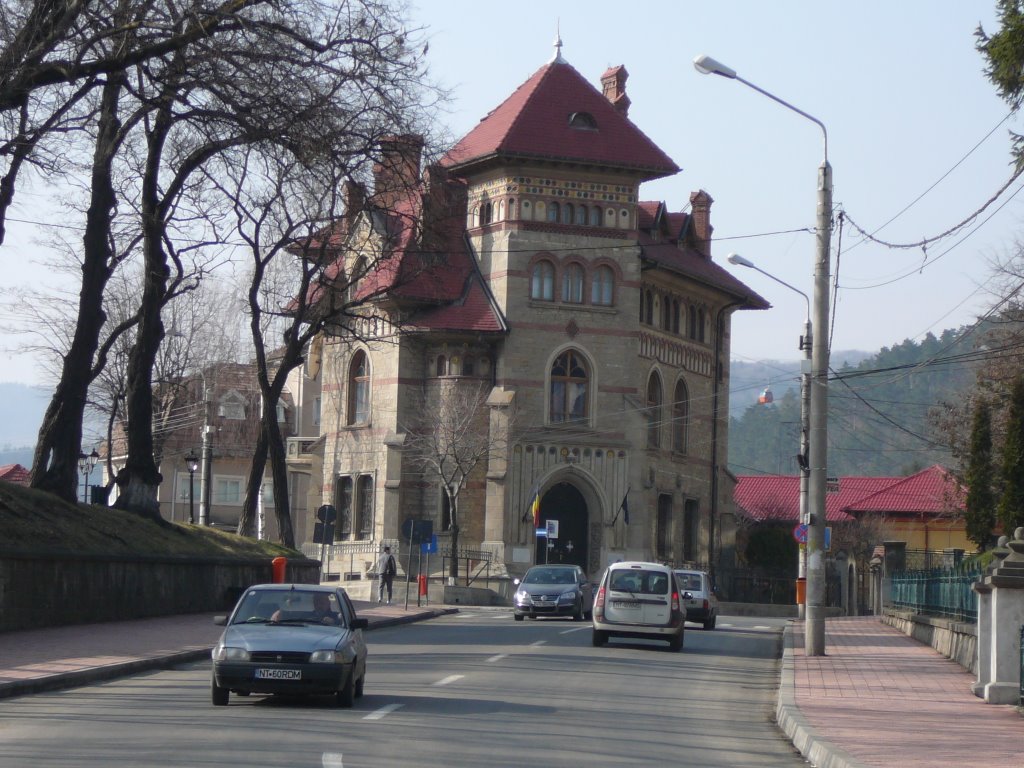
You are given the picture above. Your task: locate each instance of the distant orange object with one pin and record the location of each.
(279, 565)
(801, 591)
(766, 396)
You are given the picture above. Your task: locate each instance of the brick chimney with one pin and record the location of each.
(397, 173)
(354, 199)
(700, 204)
(613, 86)
(444, 210)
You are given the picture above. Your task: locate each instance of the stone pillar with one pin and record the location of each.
(876, 586)
(895, 561)
(1005, 582)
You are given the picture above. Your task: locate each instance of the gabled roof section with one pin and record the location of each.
(931, 491)
(549, 117)
(15, 473)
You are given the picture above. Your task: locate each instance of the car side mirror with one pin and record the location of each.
(515, 582)
(220, 621)
(359, 624)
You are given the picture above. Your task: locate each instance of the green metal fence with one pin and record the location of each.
(937, 592)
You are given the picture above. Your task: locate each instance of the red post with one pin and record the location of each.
(279, 566)
(423, 585)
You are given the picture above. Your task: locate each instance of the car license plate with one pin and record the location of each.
(626, 603)
(279, 674)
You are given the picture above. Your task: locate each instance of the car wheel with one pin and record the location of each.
(709, 623)
(599, 638)
(218, 695)
(676, 643)
(577, 614)
(345, 698)
(518, 616)
(360, 684)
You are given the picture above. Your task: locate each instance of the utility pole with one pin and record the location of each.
(206, 470)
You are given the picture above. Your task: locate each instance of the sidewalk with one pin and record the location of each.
(877, 698)
(880, 698)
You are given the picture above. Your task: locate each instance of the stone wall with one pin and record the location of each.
(956, 640)
(43, 590)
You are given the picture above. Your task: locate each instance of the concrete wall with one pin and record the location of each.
(54, 590)
(956, 640)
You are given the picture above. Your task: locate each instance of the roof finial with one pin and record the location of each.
(557, 59)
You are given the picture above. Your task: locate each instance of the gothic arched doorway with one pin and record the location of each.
(563, 502)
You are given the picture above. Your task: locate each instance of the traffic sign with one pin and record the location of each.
(552, 529)
(800, 533)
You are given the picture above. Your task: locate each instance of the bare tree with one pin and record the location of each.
(452, 440)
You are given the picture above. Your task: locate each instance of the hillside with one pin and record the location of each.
(878, 414)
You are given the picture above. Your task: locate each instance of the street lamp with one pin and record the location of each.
(85, 465)
(805, 402)
(192, 462)
(817, 457)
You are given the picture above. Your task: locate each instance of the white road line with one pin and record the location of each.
(574, 629)
(449, 679)
(727, 625)
(498, 657)
(380, 713)
(332, 760)
(539, 642)
(761, 626)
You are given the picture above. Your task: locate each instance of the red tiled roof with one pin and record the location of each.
(534, 123)
(15, 473)
(693, 264)
(474, 311)
(776, 498)
(931, 491)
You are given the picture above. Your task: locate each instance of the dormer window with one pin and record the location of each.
(232, 406)
(584, 121)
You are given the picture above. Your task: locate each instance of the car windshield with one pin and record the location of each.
(689, 581)
(550, 576)
(287, 606)
(639, 581)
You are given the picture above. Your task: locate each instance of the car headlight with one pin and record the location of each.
(522, 596)
(325, 657)
(229, 653)
(569, 594)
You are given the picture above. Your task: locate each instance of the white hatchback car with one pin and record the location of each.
(702, 604)
(641, 600)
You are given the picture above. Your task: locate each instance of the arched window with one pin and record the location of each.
(486, 213)
(693, 322)
(468, 366)
(511, 208)
(666, 313)
(680, 416)
(595, 216)
(554, 211)
(649, 309)
(359, 389)
(675, 316)
(454, 365)
(440, 366)
(572, 284)
(569, 383)
(700, 325)
(601, 287)
(343, 505)
(542, 282)
(526, 210)
(641, 306)
(581, 214)
(568, 213)
(653, 411)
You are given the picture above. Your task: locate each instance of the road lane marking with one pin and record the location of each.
(382, 712)
(449, 679)
(498, 657)
(574, 629)
(761, 626)
(539, 642)
(332, 760)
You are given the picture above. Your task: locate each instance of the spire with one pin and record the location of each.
(557, 58)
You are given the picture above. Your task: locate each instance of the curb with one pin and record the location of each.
(820, 752)
(80, 677)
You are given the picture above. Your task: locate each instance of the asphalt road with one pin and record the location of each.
(470, 690)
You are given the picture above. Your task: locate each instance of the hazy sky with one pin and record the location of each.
(899, 86)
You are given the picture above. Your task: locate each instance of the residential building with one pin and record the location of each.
(595, 325)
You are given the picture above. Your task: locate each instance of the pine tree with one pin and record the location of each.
(980, 505)
(1011, 504)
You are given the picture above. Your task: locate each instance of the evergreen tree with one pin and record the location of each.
(1011, 504)
(979, 512)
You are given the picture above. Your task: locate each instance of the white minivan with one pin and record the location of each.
(639, 600)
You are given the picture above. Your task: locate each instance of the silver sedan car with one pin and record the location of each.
(291, 639)
(553, 590)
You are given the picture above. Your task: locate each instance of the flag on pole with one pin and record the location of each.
(535, 508)
(625, 508)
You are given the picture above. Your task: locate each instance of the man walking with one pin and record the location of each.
(386, 569)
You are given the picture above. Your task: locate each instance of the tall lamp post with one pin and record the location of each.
(805, 402)
(192, 462)
(86, 464)
(817, 456)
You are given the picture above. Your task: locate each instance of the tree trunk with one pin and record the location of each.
(55, 464)
(453, 566)
(247, 518)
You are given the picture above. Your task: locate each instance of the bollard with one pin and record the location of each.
(423, 585)
(801, 591)
(279, 565)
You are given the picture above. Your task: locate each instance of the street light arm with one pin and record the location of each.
(735, 258)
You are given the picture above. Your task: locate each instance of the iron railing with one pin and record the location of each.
(937, 592)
